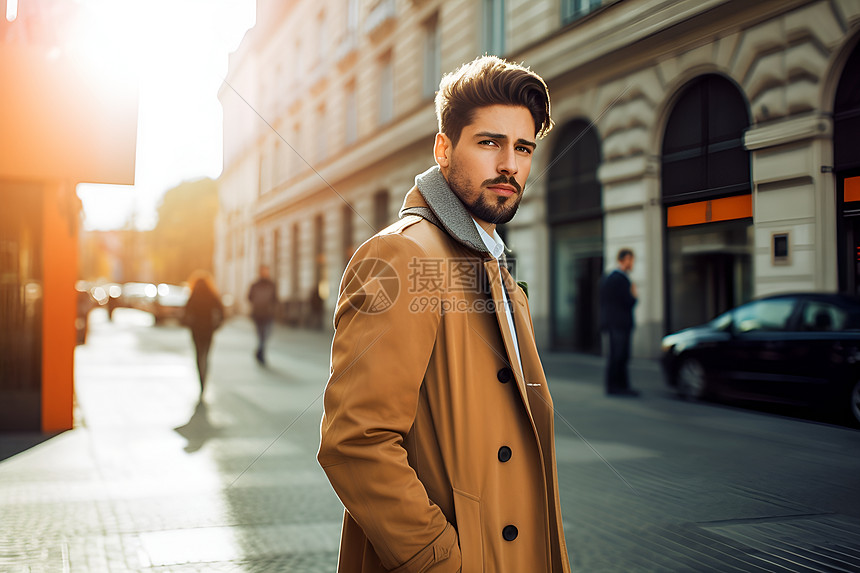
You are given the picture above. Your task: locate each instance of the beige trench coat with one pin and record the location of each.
(440, 450)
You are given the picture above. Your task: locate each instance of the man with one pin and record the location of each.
(264, 301)
(617, 299)
(437, 433)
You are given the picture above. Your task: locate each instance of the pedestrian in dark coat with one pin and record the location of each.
(617, 299)
(263, 296)
(204, 313)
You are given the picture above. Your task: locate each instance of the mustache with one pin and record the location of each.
(503, 179)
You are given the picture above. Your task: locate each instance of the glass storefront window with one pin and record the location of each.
(20, 307)
(709, 271)
(577, 267)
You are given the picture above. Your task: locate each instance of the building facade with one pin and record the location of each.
(714, 137)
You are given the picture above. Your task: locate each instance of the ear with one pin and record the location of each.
(442, 150)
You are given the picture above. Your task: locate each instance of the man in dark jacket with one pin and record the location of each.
(264, 300)
(617, 299)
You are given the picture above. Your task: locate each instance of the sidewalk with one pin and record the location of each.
(149, 483)
(146, 482)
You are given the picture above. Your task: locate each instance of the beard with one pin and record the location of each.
(485, 205)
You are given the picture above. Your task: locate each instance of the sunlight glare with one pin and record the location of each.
(177, 53)
(11, 10)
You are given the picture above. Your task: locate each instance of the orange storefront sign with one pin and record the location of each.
(851, 190)
(725, 209)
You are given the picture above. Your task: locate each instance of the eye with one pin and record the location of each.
(487, 142)
(525, 149)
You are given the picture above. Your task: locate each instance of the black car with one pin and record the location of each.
(796, 349)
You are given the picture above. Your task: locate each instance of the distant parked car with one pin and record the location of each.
(798, 349)
(85, 303)
(170, 302)
(138, 295)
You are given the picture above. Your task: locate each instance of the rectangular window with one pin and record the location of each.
(277, 165)
(386, 89)
(276, 256)
(432, 57)
(322, 143)
(294, 261)
(494, 27)
(380, 210)
(346, 233)
(296, 163)
(265, 171)
(351, 107)
(320, 265)
(574, 9)
(321, 38)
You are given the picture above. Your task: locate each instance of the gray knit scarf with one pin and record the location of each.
(446, 211)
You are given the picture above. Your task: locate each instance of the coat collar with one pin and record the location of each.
(432, 199)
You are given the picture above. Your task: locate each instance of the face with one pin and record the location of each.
(488, 167)
(626, 263)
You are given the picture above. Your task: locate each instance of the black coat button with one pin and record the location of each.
(505, 375)
(510, 533)
(504, 454)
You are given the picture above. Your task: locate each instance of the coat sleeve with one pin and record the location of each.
(382, 346)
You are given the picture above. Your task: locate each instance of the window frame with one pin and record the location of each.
(494, 32)
(432, 57)
(572, 10)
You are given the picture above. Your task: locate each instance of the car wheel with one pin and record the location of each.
(691, 380)
(854, 405)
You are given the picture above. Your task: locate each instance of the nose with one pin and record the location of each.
(508, 162)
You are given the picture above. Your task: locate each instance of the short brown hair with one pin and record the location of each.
(487, 81)
(624, 253)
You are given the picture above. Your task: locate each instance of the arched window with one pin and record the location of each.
(703, 152)
(708, 203)
(846, 113)
(573, 191)
(575, 216)
(846, 157)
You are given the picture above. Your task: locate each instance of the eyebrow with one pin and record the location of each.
(502, 136)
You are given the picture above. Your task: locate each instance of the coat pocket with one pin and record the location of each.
(467, 508)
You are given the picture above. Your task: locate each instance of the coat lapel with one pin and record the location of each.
(491, 267)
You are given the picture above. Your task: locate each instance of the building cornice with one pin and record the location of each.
(655, 28)
(791, 130)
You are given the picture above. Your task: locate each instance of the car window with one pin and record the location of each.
(722, 322)
(764, 315)
(823, 317)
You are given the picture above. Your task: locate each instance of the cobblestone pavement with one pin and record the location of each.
(149, 482)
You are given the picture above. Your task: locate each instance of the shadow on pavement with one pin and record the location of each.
(198, 429)
(13, 444)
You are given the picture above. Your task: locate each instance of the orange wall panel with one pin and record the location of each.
(729, 208)
(59, 305)
(689, 214)
(852, 189)
(724, 209)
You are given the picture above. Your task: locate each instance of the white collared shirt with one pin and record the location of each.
(496, 247)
